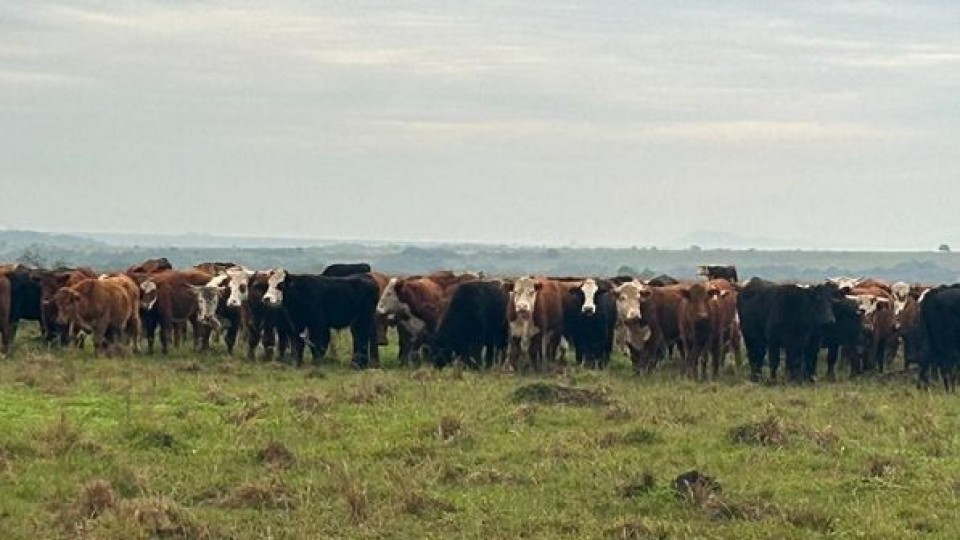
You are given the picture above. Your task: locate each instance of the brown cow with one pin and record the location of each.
(448, 280)
(698, 318)
(150, 266)
(106, 307)
(51, 282)
(535, 316)
(214, 268)
(876, 306)
(729, 335)
(417, 304)
(169, 299)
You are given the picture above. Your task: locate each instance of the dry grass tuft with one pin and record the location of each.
(414, 500)
(262, 496)
(160, 517)
(767, 432)
(311, 402)
(634, 530)
(882, 467)
(354, 493)
(556, 394)
(526, 413)
(277, 455)
(246, 414)
(62, 437)
(449, 427)
(618, 413)
(96, 498)
(214, 394)
(812, 520)
(638, 486)
(370, 390)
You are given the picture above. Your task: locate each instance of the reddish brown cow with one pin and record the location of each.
(417, 304)
(150, 266)
(105, 307)
(167, 296)
(876, 306)
(535, 316)
(448, 280)
(214, 268)
(698, 318)
(729, 335)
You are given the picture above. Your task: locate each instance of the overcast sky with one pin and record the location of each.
(826, 124)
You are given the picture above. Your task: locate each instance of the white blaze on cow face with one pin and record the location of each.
(867, 304)
(208, 299)
(274, 294)
(525, 296)
(238, 285)
(629, 296)
(845, 283)
(589, 289)
(390, 303)
(148, 294)
(901, 292)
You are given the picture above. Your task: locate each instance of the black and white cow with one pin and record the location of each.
(317, 304)
(590, 317)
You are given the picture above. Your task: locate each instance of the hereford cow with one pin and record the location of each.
(417, 305)
(535, 315)
(213, 306)
(877, 309)
(474, 326)
(168, 300)
(634, 318)
(106, 307)
(317, 304)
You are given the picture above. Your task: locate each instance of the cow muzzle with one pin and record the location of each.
(589, 310)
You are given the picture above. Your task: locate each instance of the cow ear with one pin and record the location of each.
(507, 286)
(538, 285)
(685, 293)
(646, 293)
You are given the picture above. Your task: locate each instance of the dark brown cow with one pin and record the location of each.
(535, 317)
(169, 297)
(51, 282)
(698, 318)
(448, 280)
(106, 307)
(876, 306)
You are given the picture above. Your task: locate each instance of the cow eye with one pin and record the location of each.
(243, 288)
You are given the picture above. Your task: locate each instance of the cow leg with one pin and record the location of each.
(362, 344)
(832, 351)
(403, 345)
(254, 333)
(165, 331)
(296, 347)
(133, 333)
(773, 357)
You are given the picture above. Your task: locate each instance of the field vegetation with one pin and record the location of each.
(214, 447)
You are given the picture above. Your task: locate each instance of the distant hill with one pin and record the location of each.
(14, 239)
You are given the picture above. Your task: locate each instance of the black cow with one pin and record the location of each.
(21, 297)
(787, 317)
(589, 319)
(474, 325)
(265, 325)
(317, 304)
(344, 270)
(845, 336)
(718, 271)
(940, 339)
(662, 280)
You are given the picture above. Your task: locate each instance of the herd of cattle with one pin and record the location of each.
(526, 322)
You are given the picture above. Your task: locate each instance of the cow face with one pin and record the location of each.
(525, 292)
(390, 303)
(148, 295)
(823, 296)
(901, 292)
(276, 281)
(868, 304)
(630, 297)
(208, 299)
(238, 285)
(68, 305)
(589, 290)
(697, 297)
(845, 284)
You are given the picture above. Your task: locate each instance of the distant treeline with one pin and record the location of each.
(924, 267)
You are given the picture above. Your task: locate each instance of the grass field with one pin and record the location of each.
(213, 447)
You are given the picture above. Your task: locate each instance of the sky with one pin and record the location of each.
(806, 124)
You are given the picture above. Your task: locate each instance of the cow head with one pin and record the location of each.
(901, 293)
(67, 301)
(525, 291)
(630, 297)
(390, 302)
(588, 289)
(868, 304)
(845, 284)
(208, 299)
(276, 281)
(238, 285)
(148, 295)
(697, 297)
(822, 297)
